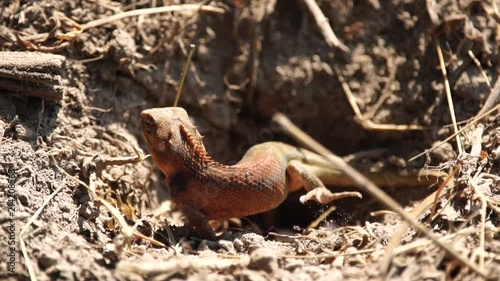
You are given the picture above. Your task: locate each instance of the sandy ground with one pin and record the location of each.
(63, 128)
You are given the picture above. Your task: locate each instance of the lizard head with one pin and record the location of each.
(164, 130)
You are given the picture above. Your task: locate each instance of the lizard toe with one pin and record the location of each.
(325, 196)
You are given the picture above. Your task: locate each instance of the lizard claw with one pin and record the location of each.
(324, 196)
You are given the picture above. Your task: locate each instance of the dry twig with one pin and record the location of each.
(368, 124)
(324, 26)
(491, 100)
(103, 21)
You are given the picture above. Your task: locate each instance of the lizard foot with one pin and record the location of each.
(324, 196)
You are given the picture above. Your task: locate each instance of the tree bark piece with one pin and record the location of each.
(32, 73)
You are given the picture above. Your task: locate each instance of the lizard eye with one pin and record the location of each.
(148, 124)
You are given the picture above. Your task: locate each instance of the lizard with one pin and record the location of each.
(204, 189)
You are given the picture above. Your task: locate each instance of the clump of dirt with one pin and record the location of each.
(64, 162)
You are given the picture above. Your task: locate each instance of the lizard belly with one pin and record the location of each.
(239, 204)
(234, 191)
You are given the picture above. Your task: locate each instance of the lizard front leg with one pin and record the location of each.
(199, 222)
(316, 190)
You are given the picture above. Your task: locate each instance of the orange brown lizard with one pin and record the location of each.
(204, 189)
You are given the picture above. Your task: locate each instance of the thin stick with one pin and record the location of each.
(39, 211)
(368, 124)
(347, 90)
(148, 11)
(324, 26)
(448, 95)
(120, 16)
(478, 64)
(183, 75)
(492, 98)
(363, 183)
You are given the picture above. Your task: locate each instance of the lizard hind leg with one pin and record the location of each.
(299, 175)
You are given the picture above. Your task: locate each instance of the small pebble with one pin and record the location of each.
(263, 259)
(24, 132)
(239, 245)
(226, 246)
(443, 151)
(49, 259)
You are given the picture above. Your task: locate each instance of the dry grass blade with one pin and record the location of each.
(451, 108)
(362, 182)
(29, 223)
(184, 72)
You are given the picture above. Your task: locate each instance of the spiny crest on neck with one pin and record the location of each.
(194, 143)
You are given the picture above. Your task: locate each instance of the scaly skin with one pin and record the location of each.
(204, 189)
